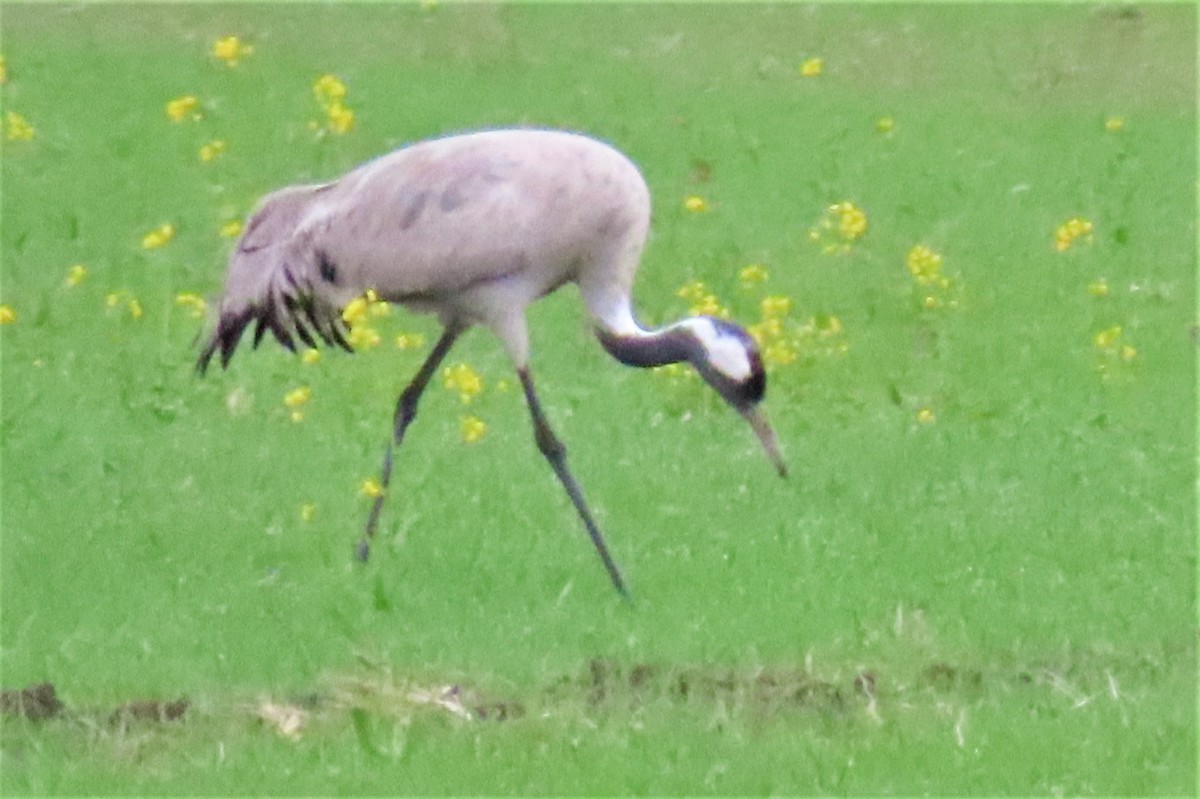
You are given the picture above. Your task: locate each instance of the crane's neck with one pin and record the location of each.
(649, 347)
(633, 345)
(723, 353)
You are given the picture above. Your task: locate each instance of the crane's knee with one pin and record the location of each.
(548, 443)
(406, 408)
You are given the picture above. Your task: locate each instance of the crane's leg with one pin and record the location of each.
(406, 410)
(556, 454)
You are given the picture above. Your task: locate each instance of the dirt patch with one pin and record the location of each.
(602, 686)
(774, 689)
(39, 702)
(36, 702)
(945, 677)
(150, 710)
(396, 695)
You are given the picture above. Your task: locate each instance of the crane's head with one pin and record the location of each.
(270, 282)
(726, 356)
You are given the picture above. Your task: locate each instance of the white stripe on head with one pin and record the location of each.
(726, 354)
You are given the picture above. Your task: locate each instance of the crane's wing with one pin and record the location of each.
(261, 287)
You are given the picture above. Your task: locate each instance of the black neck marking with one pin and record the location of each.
(660, 348)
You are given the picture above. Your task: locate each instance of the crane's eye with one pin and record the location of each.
(327, 268)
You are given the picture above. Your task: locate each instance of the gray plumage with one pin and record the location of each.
(473, 228)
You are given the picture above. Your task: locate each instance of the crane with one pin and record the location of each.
(473, 228)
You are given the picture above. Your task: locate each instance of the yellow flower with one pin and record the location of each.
(1111, 348)
(844, 223)
(158, 237)
(692, 291)
(7, 315)
(341, 118)
(703, 302)
(308, 511)
(329, 89)
(116, 298)
(709, 305)
(852, 220)
(937, 289)
(471, 428)
(751, 275)
(1107, 338)
(359, 308)
(924, 265)
(357, 314)
(194, 304)
(330, 93)
(779, 353)
(231, 50)
(812, 67)
(212, 150)
(231, 229)
(410, 341)
(1068, 232)
(926, 416)
(695, 204)
(1098, 287)
(310, 356)
(297, 397)
(76, 275)
(463, 379)
(17, 127)
(827, 326)
(185, 107)
(295, 401)
(766, 330)
(363, 337)
(775, 307)
(1114, 124)
(371, 488)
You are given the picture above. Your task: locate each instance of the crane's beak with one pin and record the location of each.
(762, 428)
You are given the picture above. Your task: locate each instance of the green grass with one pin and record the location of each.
(1000, 600)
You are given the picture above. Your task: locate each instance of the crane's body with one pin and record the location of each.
(471, 227)
(474, 228)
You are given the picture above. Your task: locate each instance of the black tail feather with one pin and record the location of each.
(293, 309)
(206, 355)
(304, 334)
(260, 327)
(279, 331)
(310, 312)
(224, 339)
(339, 336)
(287, 321)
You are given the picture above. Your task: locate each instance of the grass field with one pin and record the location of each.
(976, 233)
